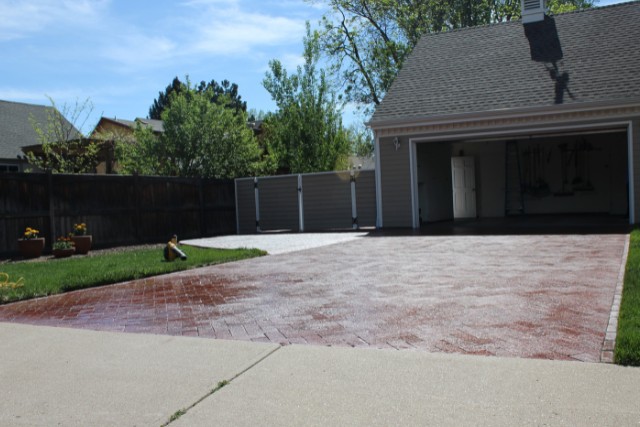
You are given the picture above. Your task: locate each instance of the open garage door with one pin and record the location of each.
(569, 173)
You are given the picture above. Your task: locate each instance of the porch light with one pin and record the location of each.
(396, 143)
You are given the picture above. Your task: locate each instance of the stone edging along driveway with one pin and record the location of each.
(542, 296)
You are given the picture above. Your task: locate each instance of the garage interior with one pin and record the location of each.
(576, 179)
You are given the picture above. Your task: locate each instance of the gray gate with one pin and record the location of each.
(306, 202)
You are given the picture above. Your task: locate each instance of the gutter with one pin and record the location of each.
(507, 113)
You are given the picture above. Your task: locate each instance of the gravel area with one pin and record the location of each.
(276, 243)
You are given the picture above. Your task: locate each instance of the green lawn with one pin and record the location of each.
(627, 351)
(53, 276)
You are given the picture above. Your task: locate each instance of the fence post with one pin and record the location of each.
(138, 197)
(203, 224)
(256, 193)
(300, 204)
(52, 216)
(354, 206)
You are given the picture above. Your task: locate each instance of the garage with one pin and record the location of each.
(525, 120)
(566, 173)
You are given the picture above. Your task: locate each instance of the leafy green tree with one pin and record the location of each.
(361, 139)
(200, 139)
(214, 91)
(64, 147)
(138, 153)
(255, 115)
(306, 133)
(366, 41)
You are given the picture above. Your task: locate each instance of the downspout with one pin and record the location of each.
(378, 175)
(631, 178)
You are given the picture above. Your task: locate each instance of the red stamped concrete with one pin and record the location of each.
(544, 296)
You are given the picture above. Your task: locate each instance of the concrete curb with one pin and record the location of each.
(609, 343)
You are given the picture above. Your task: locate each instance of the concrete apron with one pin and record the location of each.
(57, 376)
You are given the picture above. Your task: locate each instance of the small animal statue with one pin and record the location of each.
(171, 251)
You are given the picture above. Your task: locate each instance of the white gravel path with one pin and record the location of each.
(276, 243)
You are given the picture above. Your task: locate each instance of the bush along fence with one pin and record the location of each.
(306, 202)
(118, 210)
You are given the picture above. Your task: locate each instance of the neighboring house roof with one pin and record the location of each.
(156, 126)
(16, 128)
(577, 57)
(127, 123)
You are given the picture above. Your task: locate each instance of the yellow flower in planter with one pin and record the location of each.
(80, 229)
(31, 233)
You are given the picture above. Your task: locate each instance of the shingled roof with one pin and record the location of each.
(156, 126)
(585, 56)
(16, 129)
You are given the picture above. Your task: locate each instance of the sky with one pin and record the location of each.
(120, 54)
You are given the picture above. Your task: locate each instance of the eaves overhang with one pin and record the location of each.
(614, 108)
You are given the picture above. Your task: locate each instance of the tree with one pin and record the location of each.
(137, 152)
(213, 90)
(366, 41)
(361, 139)
(200, 139)
(306, 133)
(64, 148)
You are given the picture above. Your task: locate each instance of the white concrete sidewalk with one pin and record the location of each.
(276, 243)
(55, 376)
(72, 377)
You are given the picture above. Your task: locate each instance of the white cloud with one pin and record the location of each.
(25, 17)
(200, 3)
(292, 61)
(35, 96)
(133, 51)
(234, 32)
(220, 28)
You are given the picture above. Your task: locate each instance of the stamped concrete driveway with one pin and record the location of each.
(540, 296)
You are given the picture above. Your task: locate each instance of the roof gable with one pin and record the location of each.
(577, 57)
(106, 124)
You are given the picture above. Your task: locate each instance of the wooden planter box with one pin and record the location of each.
(63, 253)
(31, 248)
(82, 244)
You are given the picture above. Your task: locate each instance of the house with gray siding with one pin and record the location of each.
(530, 117)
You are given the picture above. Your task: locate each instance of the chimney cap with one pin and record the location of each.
(533, 10)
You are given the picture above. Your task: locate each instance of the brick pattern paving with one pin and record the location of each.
(543, 296)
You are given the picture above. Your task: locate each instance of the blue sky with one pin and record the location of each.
(120, 54)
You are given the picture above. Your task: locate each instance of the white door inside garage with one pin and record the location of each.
(463, 176)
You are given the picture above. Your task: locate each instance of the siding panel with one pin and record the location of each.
(395, 183)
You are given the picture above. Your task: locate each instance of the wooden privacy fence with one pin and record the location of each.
(306, 202)
(118, 210)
